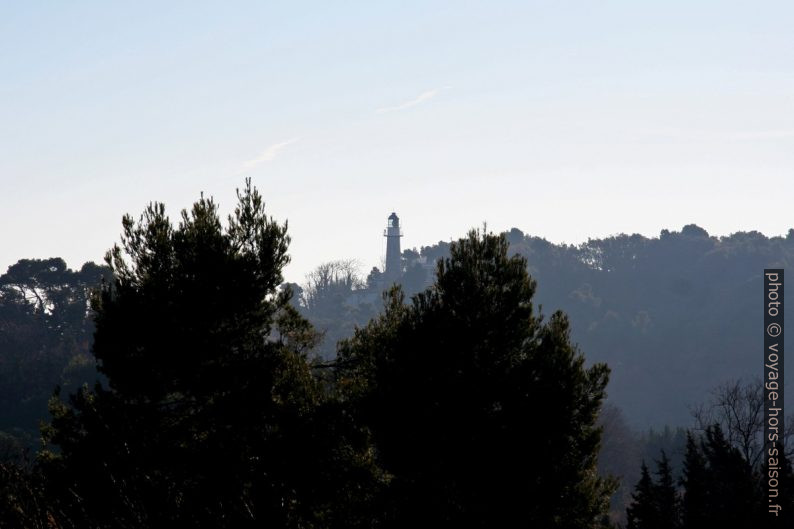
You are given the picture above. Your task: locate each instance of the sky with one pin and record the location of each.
(566, 119)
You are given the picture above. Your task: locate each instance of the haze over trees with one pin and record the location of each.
(722, 480)
(365, 409)
(212, 411)
(673, 316)
(716, 487)
(45, 340)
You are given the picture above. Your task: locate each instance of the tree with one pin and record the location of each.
(22, 500)
(695, 481)
(619, 456)
(331, 300)
(720, 489)
(329, 285)
(666, 495)
(738, 408)
(732, 494)
(482, 413)
(643, 512)
(45, 334)
(211, 416)
(648, 305)
(654, 503)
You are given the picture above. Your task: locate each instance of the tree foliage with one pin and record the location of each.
(670, 315)
(718, 487)
(335, 299)
(483, 414)
(211, 416)
(45, 336)
(643, 512)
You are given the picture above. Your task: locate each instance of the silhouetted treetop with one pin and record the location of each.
(483, 413)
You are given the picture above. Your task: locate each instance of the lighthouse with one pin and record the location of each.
(392, 234)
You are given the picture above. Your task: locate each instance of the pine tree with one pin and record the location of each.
(732, 499)
(719, 485)
(643, 513)
(211, 416)
(695, 481)
(483, 414)
(655, 504)
(666, 496)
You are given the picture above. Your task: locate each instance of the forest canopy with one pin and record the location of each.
(213, 412)
(193, 385)
(673, 316)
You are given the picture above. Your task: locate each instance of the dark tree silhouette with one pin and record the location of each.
(695, 481)
(732, 499)
(45, 335)
(666, 495)
(212, 417)
(643, 512)
(655, 504)
(483, 414)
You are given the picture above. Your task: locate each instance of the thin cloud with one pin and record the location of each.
(268, 154)
(765, 135)
(706, 135)
(421, 98)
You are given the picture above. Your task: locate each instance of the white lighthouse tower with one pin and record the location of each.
(393, 234)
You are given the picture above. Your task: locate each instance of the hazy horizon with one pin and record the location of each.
(565, 120)
(366, 263)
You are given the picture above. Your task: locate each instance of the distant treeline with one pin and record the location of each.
(673, 316)
(45, 341)
(457, 408)
(676, 318)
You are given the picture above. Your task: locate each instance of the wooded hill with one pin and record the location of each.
(673, 316)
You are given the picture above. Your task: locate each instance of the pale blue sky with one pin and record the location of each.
(566, 119)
